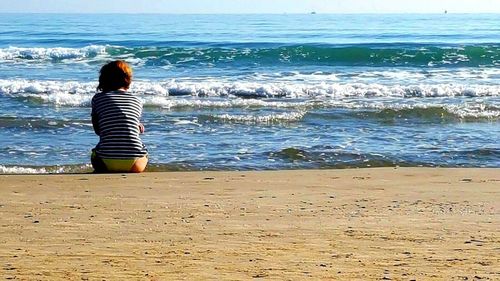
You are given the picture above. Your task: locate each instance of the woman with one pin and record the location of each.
(115, 117)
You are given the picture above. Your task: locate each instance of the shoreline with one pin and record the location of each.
(366, 223)
(86, 169)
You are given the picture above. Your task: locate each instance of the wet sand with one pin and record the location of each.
(363, 224)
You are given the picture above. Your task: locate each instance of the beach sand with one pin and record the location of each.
(362, 224)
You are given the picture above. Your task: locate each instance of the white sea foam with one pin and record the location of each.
(172, 103)
(254, 89)
(475, 111)
(269, 118)
(21, 170)
(44, 170)
(53, 92)
(216, 94)
(58, 53)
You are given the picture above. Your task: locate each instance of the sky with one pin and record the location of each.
(249, 6)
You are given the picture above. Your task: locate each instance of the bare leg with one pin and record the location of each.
(139, 165)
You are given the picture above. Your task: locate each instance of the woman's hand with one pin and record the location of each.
(141, 128)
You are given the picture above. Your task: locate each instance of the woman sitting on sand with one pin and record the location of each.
(115, 117)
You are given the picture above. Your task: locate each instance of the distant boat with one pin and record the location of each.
(445, 11)
(313, 13)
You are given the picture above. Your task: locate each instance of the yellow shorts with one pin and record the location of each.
(110, 165)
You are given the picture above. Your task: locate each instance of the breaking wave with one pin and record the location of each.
(334, 55)
(445, 100)
(74, 93)
(16, 54)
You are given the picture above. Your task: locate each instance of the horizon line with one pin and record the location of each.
(313, 13)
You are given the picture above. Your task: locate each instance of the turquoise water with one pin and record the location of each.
(238, 92)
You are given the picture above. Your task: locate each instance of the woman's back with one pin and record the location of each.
(118, 118)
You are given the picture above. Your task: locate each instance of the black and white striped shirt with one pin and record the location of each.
(117, 115)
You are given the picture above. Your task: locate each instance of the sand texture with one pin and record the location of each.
(364, 224)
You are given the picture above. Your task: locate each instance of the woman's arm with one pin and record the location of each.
(95, 124)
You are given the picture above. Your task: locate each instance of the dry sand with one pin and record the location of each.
(364, 224)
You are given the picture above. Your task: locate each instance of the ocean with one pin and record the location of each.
(257, 92)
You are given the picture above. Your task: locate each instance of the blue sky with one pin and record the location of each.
(250, 6)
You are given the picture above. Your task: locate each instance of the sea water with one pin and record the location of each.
(241, 92)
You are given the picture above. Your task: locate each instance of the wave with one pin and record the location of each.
(446, 101)
(74, 93)
(330, 55)
(305, 113)
(337, 157)
(429, 111)
(17, 54)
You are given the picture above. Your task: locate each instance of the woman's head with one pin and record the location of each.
(114, 76)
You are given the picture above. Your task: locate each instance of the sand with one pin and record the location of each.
(363, 224)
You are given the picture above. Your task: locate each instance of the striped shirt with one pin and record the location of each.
(117, 115)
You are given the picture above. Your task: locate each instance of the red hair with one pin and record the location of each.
(115, 75)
